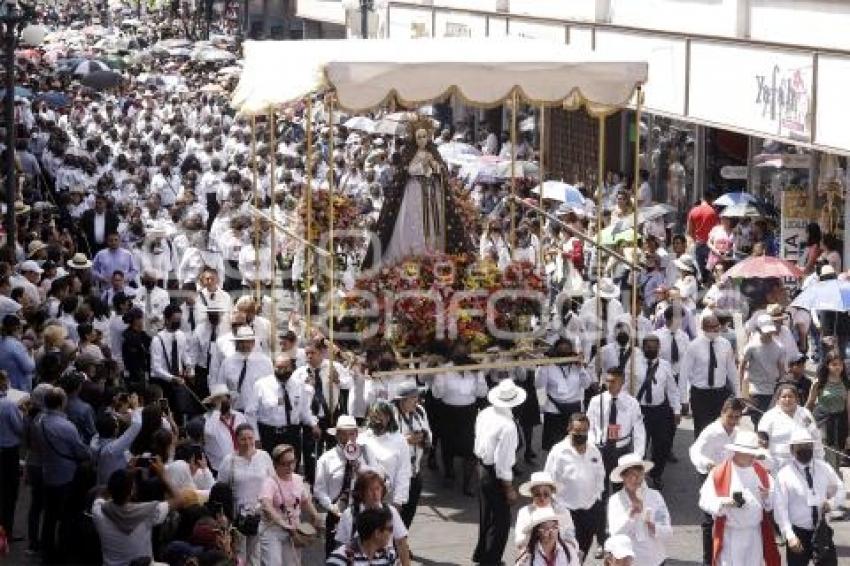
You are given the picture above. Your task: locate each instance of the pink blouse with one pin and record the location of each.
(286, 497)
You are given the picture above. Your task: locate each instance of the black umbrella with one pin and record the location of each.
(102, 80)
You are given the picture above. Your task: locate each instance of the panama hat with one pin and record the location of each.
(801, 435)
(627, 461)
(35, 247)
(536, 479)
(686, 263)
(216, 391)
(79, 261)
(542, 515)
(606, 289)
(344, 422)
(506, 394)
(30, 265)
(765, 323)
(409, 389)
(746, 442)
(244, 334)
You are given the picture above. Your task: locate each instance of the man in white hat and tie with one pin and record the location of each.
(600, 329)
(496, 442)
(220, 425)
(241, 369)
(739, 495)
(806, 489)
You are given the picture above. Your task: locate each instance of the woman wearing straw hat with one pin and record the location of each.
(540, 488)
(545, 545)
(738, 493)
(496, 442)
(638, 511)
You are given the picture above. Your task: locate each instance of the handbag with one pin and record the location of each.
(823, 546)
(246, 520)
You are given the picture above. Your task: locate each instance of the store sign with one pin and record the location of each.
(454, 29)
(409, 23)
(730, 172)
(795, 217)
(833, 120)
(756, 89)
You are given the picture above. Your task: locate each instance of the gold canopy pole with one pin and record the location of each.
(332, 259)
(600, 182)
(273, 228)
(256, 181)
(514, 104)
(308, 177)
(638, 102)
(542, 181)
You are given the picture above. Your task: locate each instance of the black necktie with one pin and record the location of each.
(612, 417)
(648, 382)
(175, 361)
(674, 349)
(191, 317)
(242, 375)
(712, 363)
(210, 345)
(811, 483)
(346, 483)
(320, 392)
(286, 403)
(624, 356)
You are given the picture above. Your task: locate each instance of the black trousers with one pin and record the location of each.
(706, 405)
(271, 436)
(803, 558)
(660, 424)
(55, 514)
(707, 526)
(331, 522)
(10, 481)
(408, 510)
(36, 483)
(313, 447)
(588, 522)
(555, 425)
(494, 521)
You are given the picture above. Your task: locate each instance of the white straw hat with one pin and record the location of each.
(746, 442)
(537, 479)
(627, 461)
(506, 394)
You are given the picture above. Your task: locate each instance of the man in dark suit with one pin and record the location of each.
(96, 223)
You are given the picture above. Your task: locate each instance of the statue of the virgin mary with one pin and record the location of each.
(418, 216)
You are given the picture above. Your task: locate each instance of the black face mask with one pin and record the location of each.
(225, 406)
(377, 427)
(650, 354)
(214, 318)
(579, 439)
(282, 374)
(804, 454)
(174, 326)
(622, 338)
(149, 284)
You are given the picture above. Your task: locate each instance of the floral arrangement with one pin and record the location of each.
(469, 215)
(421, 299)
(344, 208)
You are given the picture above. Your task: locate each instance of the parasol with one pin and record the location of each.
(90, 66)
(54, 99)
(102, 80)
(730, 199)
(19, 92)
(361, 124)
(458, 152)
(831, 295)
(491, 169)
(610, 236)
(561, 192)
(764, 267)
(742, 210)
(212, 55)
(646, 214)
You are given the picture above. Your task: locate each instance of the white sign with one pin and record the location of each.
(460, 24)
(734, 172)
(756, 89)
(832, 116)
(410, 23)
(795, 218)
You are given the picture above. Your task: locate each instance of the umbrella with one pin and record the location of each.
(528, 125)
(458, 152)
(102, 80)
(831, 295)
(361, 123)
(610, 236)
(491, 169)
(175, 42)
(19, 92)
(212, 88)
(54, 99)
(742, 210)
(561, 192)
(730, 199)
(179, 52)
(764, 267)
(647, 214)
(212, 55)
(90, 66)
(395, 124)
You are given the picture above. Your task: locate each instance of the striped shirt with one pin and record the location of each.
(352, 555)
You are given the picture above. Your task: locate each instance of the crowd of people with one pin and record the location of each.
(157, 406)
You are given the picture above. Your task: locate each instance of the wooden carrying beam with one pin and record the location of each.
(476, 367)
(257, 212)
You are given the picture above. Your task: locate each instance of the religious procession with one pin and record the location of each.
(322, 301)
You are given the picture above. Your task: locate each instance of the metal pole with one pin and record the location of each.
(9, 117)
(256, 181)
(600, 181)
(514, 104)
(308, 177)
(364, 19)
(273, 228)
(542, 180)
(638, 102)
(332, 259)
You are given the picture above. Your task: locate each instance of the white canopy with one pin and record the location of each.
(365, 74)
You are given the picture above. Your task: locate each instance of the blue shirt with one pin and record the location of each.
(110, 454)
(106, 262)
(63, 448)
(81, 415)
(17, 362)
(11, 423)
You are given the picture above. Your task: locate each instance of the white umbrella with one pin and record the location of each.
(90, 66)
(489, 169)
(212, 55)
(395, 124)
(561, 192)
(730, 199)
(830, 295)
(458, 152)
(361, 124)
(172, 43)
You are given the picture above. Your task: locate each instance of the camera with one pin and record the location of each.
(738, 498)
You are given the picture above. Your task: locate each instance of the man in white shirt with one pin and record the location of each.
(171, 362)
(806, 489)
(152, 300)
(710, 370)
(709, 450)
(220, 426)
(496, 443)
(577, 468)
(241, 369)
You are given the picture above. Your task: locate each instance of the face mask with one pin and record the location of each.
(650, 354)
(579, 439)
(377, 427)
(214, 318)
(712, 335)
(149, 284)
(804, 454)
(622, 338)
(225, 406)
(173, 326)
(282, 374)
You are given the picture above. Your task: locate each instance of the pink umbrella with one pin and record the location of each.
(764, 267)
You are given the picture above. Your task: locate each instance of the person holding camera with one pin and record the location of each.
(283, 497)
(738, 493)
